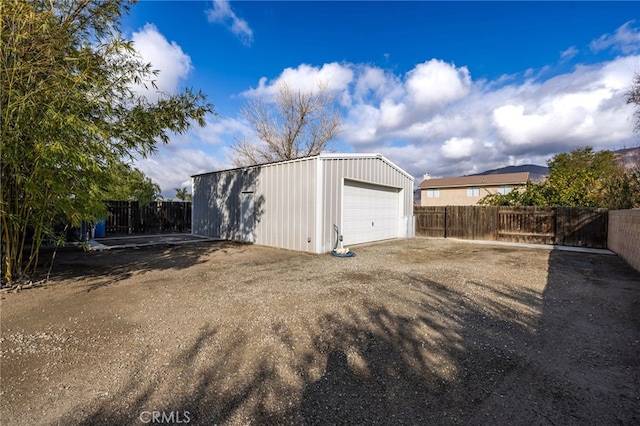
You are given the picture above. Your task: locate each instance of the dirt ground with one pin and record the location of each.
(420, 331)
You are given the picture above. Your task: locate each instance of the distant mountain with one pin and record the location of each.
(627, 151)
(536, 173)
(628, 157)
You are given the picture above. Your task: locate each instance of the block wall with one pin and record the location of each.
(624, 235)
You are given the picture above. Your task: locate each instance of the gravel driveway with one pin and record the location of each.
(420, 331)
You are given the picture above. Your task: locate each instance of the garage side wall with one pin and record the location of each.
(370, 170)
(216, 205)
(286, 216)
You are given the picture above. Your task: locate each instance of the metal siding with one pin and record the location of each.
(216, 202)
(289, 200)
(291, 205)
(372, 170)
(198, 206)
(331, 201)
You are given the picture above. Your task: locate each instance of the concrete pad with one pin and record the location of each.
(132, 241)
(537, 246)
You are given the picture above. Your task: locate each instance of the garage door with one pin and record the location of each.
(370, 212)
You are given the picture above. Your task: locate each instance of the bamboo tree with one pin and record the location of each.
(70, 114)
(132, 184)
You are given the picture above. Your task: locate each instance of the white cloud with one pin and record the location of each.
(167, 57)
(218, 131)
(458, 148)
(361, 125)
(436, 118)
(409, 157)
(470, 127)
(221, 13)
(568, 54)
(173, 168)
(305, 78)
(374, 83)
(436, 83)
(478, 126)
(392, 114)
(519, 128)
(626, 40)
(191, 153)
(584, 107)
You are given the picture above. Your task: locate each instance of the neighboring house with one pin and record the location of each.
(295, 204)
(467, 190)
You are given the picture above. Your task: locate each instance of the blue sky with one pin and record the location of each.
(448, 88)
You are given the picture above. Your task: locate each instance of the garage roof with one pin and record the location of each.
(324, 155)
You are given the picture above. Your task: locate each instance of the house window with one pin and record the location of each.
(433, 193)
(473, 192)
(504, 190)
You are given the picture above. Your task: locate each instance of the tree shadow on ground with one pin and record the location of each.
(481, 352)
(589, 329)
(110, 266)
(431, 356)
(421, 367)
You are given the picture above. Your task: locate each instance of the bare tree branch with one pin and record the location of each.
(298, 124)
(633, 97)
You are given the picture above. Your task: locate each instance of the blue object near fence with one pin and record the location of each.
(101, 229)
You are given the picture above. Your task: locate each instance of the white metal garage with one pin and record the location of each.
(295, 204)
(370, 212)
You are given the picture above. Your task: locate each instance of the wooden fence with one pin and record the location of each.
(129, 217)
(569, 226)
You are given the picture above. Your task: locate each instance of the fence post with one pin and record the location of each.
(445, 221)
(129, 217)
(556, 212)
